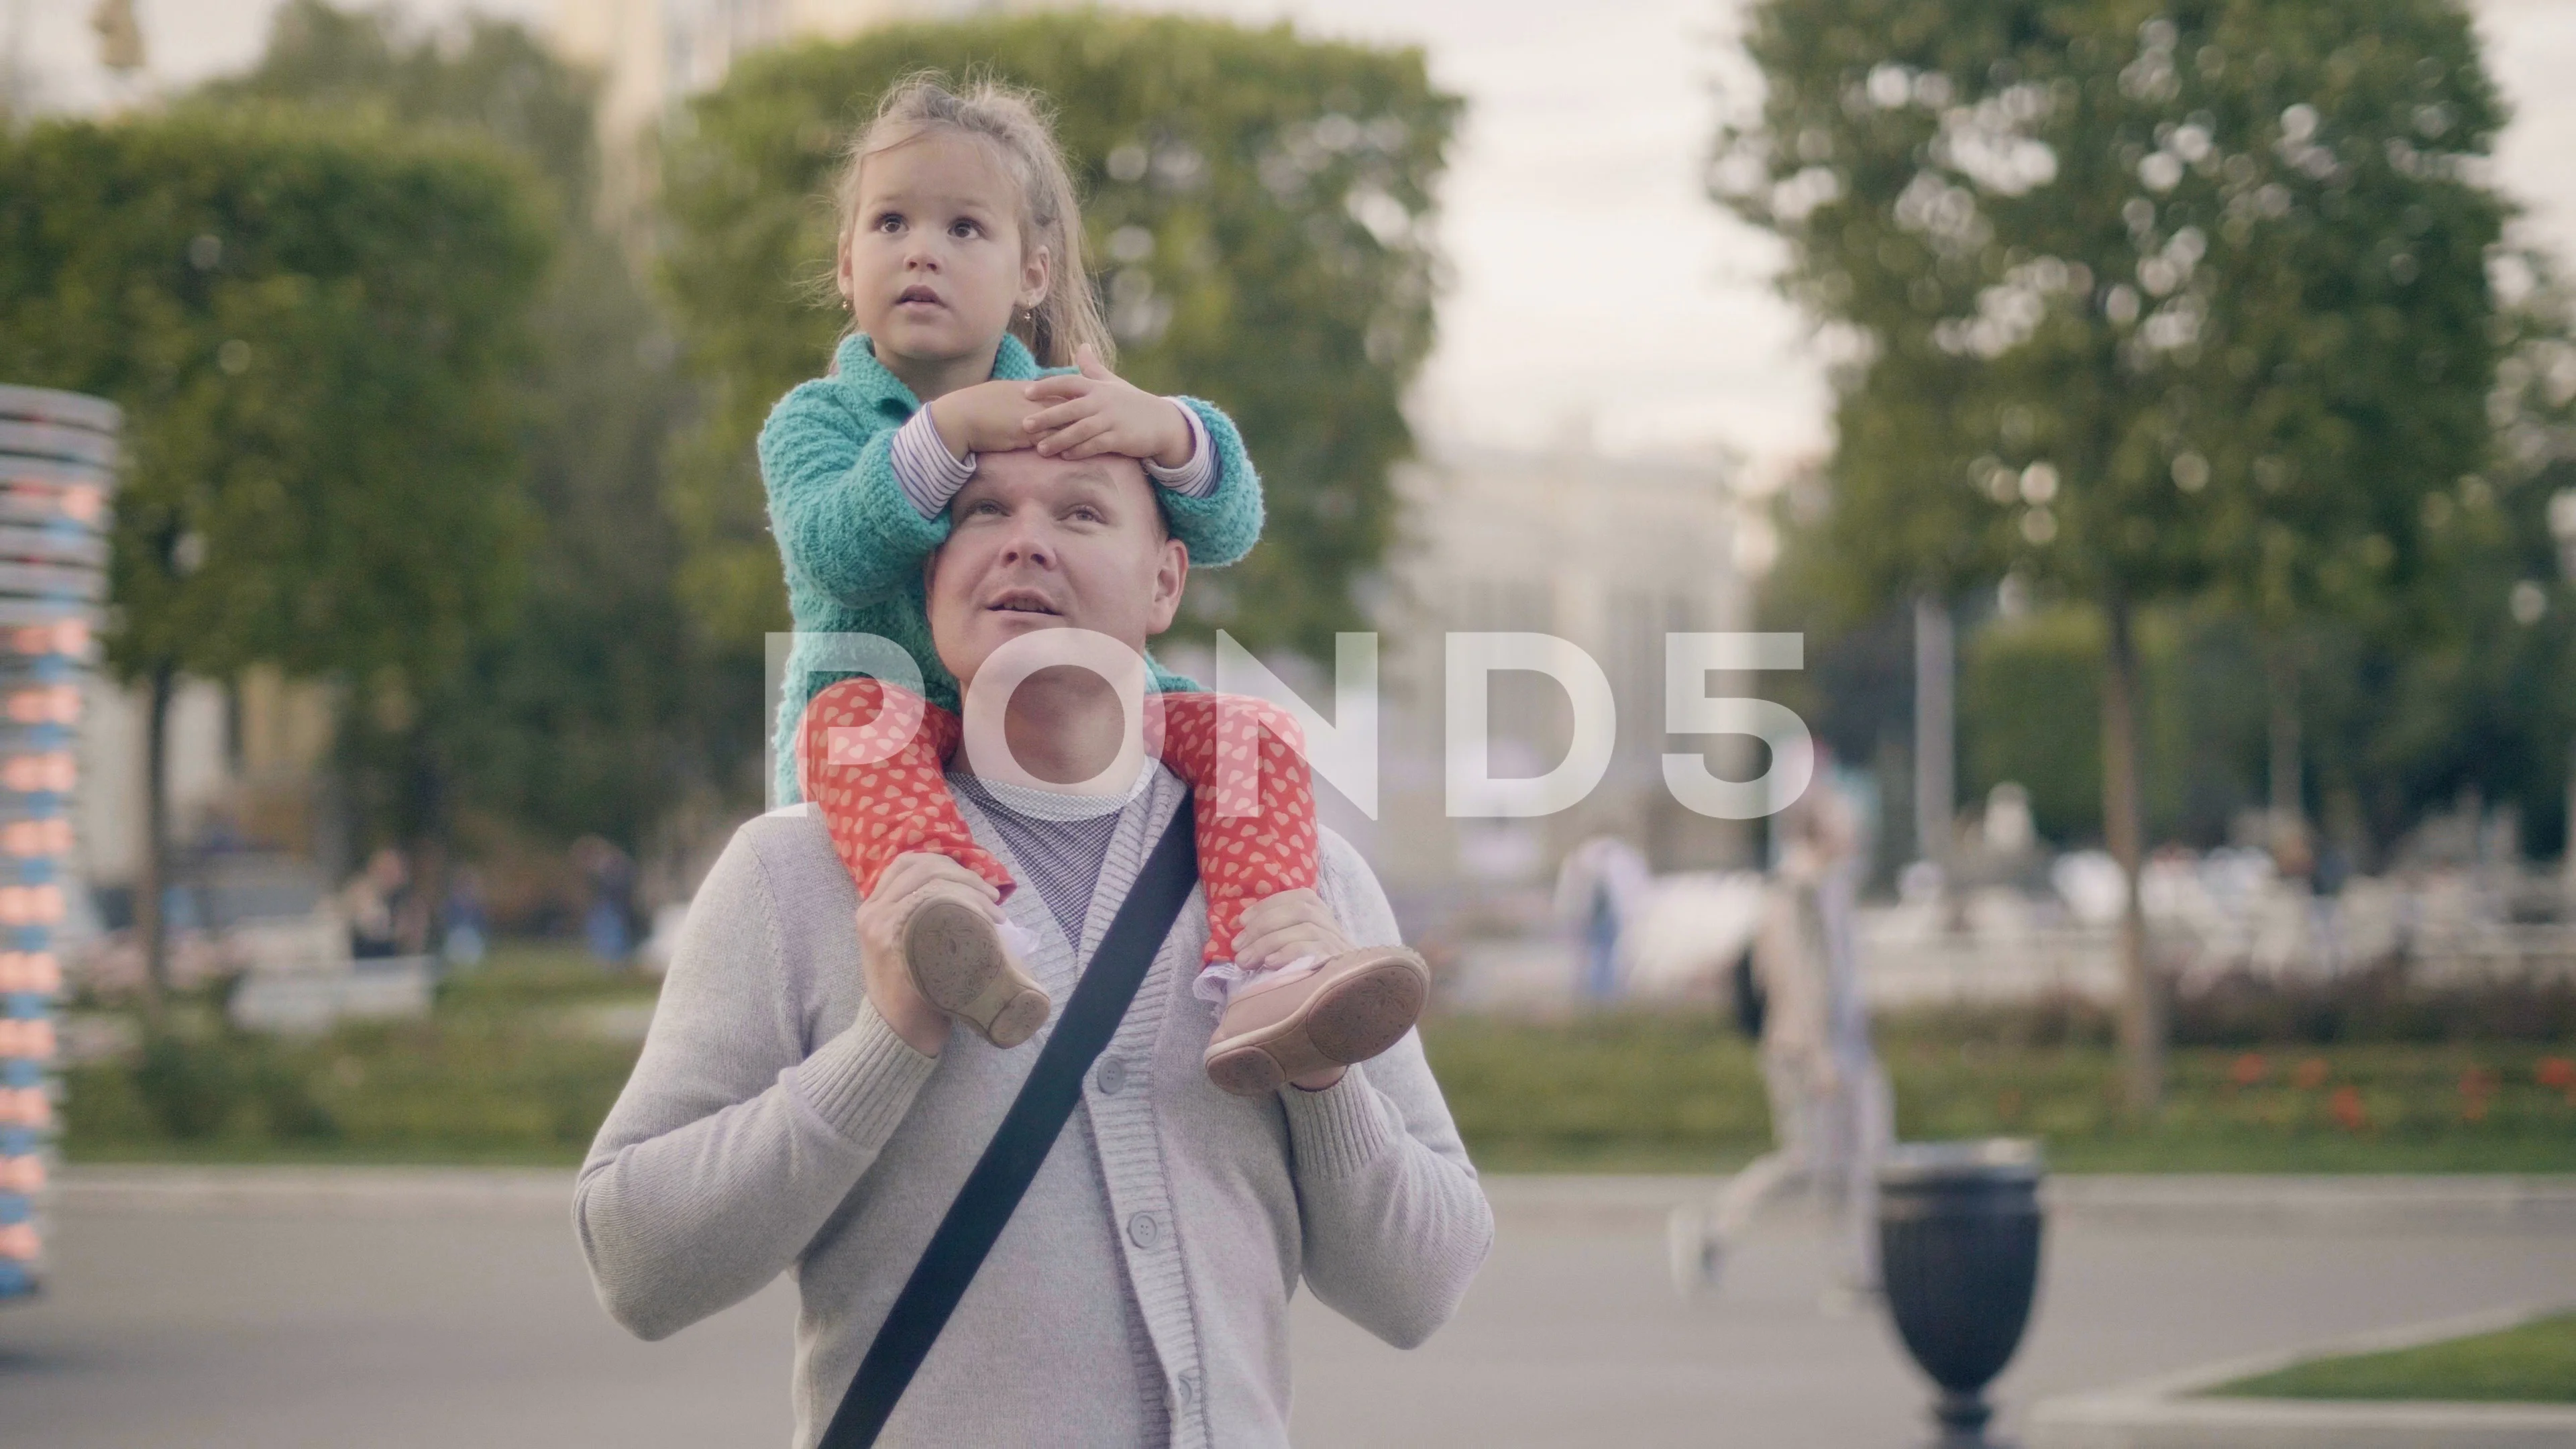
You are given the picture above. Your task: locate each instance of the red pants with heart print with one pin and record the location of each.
(874, 758)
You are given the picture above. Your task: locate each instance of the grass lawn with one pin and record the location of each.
(505, 1070)
(1666, 1093)
(514, 1066)
(2533, 1364)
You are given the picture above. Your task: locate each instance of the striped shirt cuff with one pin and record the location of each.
(928, 473)
(1198, 477)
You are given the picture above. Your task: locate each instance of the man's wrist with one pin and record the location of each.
(923, 1027)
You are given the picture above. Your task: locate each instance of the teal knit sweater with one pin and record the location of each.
(854, 544)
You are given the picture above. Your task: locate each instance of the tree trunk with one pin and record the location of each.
(2142, 1032)
(1934, 751)
(2567, 853)
(149, 923)
(2281, 678)
(417, 926)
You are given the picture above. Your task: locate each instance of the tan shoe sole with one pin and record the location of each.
(958, 963)
(1350, 1020)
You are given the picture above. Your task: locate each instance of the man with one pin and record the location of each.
(799, 1107)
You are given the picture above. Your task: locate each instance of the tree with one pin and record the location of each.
(1261, 204)
(312, 330)
(589, 711)
(2148, 301)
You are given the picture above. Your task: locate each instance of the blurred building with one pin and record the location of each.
(1610, 554)
(246, 768)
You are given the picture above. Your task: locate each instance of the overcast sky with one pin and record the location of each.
(1596, 292)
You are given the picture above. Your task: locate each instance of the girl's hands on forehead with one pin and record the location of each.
(1097, 411)
(989, 417)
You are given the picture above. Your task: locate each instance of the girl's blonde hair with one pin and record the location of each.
(1012, 124)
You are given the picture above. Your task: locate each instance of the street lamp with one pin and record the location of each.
(2562, 527)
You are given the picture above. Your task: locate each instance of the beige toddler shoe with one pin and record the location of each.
(1282, 1025)
(957, 960)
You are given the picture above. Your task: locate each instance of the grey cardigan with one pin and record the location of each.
(1140, 1295)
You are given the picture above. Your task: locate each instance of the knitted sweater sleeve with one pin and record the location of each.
(1395, 1224)
(842, 520)
(1222, 527)
(732, 1143)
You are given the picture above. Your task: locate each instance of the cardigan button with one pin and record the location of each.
(1112, 1077)
(1188, 1387)
(1144, 1231)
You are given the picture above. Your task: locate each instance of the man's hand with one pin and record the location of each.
(989, 417)
(922, 1026)
(1278, 930)
(1100, 412)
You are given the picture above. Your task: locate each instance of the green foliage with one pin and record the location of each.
(488, 79)
(2226, 275)
(1260, 203)
(2030, 692)
(2143, 299)
(2533, 1363)
(2030, 699)
(592, 710)
(312, 330)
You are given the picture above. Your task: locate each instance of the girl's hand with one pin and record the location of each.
(989, 417)
(1278, 929)
(1099, 412)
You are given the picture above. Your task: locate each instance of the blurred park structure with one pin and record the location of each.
(2201, 513)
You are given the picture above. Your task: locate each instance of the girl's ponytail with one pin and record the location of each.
(1013, 123)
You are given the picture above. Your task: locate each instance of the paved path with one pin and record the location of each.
(405, 1316)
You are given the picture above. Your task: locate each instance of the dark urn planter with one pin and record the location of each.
(1958, 1233)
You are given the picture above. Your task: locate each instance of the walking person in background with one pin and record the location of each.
(1832, 1115)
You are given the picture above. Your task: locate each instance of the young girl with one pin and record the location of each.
(960, 259)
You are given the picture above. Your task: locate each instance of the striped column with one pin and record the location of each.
(58, 454)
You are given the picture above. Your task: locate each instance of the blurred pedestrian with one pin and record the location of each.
(464, 924)
(1601, 891)
(1831, 1110)
(372, 904)
(608, 921)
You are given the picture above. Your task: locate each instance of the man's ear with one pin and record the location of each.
(1171, 575)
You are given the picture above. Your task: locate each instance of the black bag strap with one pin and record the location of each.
(1020, 1145)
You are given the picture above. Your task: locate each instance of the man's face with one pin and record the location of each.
(1047, 543)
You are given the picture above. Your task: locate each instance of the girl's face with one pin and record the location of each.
(934, 267)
